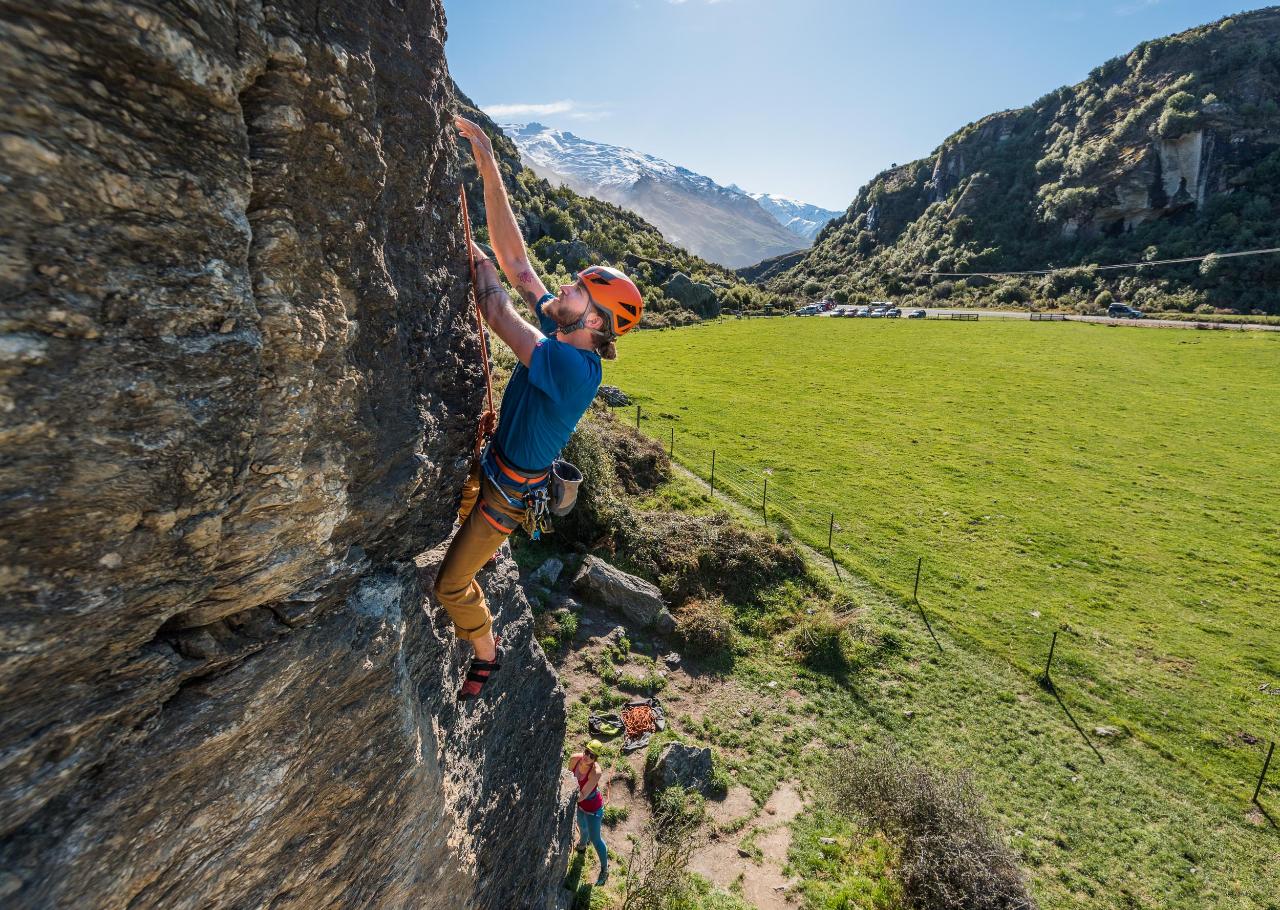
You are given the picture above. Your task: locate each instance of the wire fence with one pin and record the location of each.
(836, 536)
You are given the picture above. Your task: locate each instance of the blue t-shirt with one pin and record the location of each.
(545, 400)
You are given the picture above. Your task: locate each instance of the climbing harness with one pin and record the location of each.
(489, 419)
(521, 489)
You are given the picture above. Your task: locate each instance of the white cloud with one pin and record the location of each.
(529, 110)
(574, 110)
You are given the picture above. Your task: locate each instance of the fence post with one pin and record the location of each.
(915, 596)
(764, 503)
(713, 473)
(831, 530)
(672, 452)
(1263, 776)
(1048, 663)
(637, 417)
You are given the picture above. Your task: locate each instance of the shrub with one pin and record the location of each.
(657, 876)
(1104, 299)
(705, 555)
(705, 627)
(951, 858)
(821, 640)
(1181, 114)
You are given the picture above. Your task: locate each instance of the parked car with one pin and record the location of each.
(809, 309)
(893, 312)
(877, 312)
(827, 306)
(917, 314)
(1123, 311)
(843, 311)
(862, 311)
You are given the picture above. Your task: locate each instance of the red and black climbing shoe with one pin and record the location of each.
(478, 674)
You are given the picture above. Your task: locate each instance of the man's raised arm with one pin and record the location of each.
(498, 312)
(504, 233)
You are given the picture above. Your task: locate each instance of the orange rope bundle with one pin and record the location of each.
(489, 419)
(638, 719)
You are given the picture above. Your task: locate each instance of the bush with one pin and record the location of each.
(951, 858)
(705, 627)
(705, 555)
(657, 870)
(821, 641)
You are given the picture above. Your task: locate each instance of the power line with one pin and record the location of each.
(1098, 268)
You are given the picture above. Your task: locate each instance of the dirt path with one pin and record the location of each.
(764, 840)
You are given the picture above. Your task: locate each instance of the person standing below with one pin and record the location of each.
(549, 391)
(586, 771)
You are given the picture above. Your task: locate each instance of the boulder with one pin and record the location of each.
(637, 599)
(613, 396)
(679, 765)
(548, 573)
(701, 298)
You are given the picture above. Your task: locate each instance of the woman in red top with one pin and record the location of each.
(590, 803)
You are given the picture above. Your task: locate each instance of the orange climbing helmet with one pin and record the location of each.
(615, 294)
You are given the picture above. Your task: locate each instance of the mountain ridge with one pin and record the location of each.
(1170, 150)
(723, 224)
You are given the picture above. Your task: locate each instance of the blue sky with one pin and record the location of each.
(804, 98)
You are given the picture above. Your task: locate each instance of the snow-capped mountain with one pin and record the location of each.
(800, 218)
(719, 223)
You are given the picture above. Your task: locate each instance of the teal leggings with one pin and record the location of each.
(589, 824)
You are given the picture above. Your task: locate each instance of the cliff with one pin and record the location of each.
(1171, 150)
(240, 383)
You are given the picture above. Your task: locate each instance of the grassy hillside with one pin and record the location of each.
(1103, 482)
(792, 669)
(1172, 150)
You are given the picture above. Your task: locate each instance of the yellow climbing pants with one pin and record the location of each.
(479, 538)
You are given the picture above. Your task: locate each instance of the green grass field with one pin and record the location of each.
(1119, 484)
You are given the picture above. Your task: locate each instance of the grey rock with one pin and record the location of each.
(565, 602)
(548, 573)
(637, 599)
(679, 765)
(616, 635)
(672, 659)
(701, 298)
(240, 381)
(664, 622)
(613, 396)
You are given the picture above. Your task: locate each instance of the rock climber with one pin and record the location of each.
(586, 771)
(549, 391)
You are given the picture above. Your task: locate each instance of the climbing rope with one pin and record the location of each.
(489, 419)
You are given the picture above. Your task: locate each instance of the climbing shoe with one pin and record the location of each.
(478, 674)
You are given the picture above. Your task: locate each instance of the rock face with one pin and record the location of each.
(679, 765)
(239, 386)
(637, 599)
